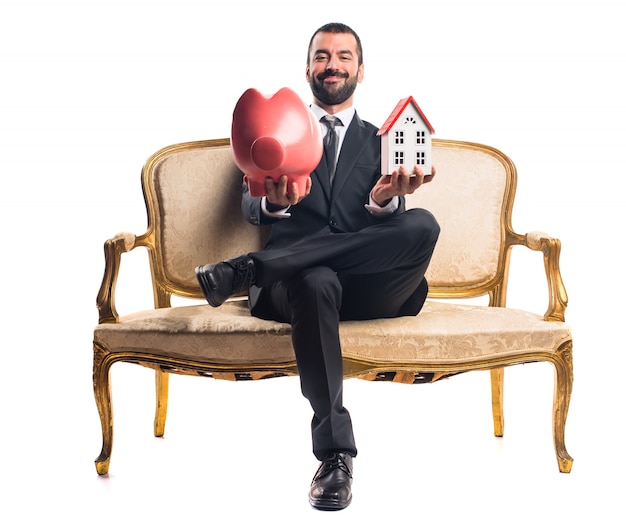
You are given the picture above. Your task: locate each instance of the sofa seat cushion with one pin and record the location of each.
(442, 333)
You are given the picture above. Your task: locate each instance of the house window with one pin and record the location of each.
(399, 137)
(398, 158)
(420, 137)
(420, 158)
(409, 120)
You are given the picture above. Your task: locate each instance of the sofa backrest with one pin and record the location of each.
(192, 192)
(472, 197)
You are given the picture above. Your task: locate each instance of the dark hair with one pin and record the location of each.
(337, 27)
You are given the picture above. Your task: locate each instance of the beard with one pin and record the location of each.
(332, 94)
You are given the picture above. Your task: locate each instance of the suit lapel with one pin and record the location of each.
(323, 179)
(353, 144)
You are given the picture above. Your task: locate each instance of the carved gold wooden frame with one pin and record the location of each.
(163, 365)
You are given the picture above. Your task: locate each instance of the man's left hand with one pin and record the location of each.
(400, 183)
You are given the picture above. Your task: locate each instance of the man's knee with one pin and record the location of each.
(419, 226)
(424, 220)
(316, 284)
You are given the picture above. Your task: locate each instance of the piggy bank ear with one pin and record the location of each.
(244, 128)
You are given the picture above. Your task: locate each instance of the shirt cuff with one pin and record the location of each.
(376, 210)
(281, 214)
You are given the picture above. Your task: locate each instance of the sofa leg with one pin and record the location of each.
(497, 401)
(162, 380)
(564, 379)
(102, 393)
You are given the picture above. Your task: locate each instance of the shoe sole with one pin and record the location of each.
(329, 505)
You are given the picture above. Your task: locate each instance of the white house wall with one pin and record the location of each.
(410, 148)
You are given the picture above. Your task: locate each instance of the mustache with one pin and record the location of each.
(330, 73)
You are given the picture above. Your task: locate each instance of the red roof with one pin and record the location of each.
(395, 114)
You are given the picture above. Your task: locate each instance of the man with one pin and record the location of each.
(345, 249)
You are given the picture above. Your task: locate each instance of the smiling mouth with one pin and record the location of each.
(333, 77)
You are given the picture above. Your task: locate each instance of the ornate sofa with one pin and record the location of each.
(192, 194)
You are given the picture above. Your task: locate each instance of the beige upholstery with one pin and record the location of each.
(192, 194)
(445, 332)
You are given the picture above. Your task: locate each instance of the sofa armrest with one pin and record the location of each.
(551, 249)
(113, 249)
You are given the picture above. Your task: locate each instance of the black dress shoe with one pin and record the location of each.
(331, 488)
(225, 279)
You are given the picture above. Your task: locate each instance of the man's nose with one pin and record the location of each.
(332, 63)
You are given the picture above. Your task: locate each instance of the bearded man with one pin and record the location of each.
(345, 249)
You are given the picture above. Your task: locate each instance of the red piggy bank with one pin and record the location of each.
(274, 136)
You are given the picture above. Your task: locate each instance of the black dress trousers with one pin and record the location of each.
(315, 283)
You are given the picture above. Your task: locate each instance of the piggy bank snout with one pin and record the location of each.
(267, 153)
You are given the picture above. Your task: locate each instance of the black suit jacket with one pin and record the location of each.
(342, 208)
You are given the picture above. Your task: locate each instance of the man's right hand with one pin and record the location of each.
(282, 194)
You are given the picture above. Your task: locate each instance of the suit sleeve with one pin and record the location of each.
(251, 209)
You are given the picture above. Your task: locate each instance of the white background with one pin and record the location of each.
(90, 89)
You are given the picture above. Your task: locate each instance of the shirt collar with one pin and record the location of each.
(345, 116)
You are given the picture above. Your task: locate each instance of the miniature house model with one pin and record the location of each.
(406, 138)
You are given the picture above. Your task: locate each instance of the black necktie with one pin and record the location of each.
(331, 142)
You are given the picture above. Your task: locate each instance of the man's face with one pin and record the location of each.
(333, 70)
